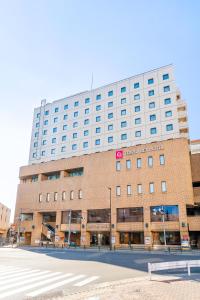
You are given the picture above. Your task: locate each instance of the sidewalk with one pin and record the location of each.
(160, 287)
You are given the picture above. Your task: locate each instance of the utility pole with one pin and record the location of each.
(69, 229)
(19, 226)
(110, 198)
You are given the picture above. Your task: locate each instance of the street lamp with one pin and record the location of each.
(162, 212)
(110, 218)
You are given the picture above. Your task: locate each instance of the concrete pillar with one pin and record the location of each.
(147, 228)
(37, 230)
(84, 234)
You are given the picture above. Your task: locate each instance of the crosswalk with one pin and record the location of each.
(34, 282)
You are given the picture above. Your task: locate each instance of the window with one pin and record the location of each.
(123, 136)
(55, 196)
(165, 76)
(167, 101)
(64, 138)
(137, 97)
(166, 88)
(40, 197)
(46, 113)
(63, 149)
(74, 147)
(162, 159)
(163, 186)
(123, 100)
(153, 130)
(37, 125)
(75, 135)
(110, 115)
(169, 127)
(44, 142)
(71, 195)
(110, 104)
(118, 190)
(123, 124)
(71, 215)
(38, 115)
(35, 144)
(87, 110)
(63, 195)
(86, 121)
(80, 194)
(110, 93)
(43, 153)
(66, 106)
(75, 114)
(87, 100)
(151, 187)
(76, 103)
(129, 191)
(118, 166)
(170, 213)
(75, 172)
(110, 127)
(34, 155)
(98, 129)
(55, 129)
(97, 142)
(98, 97)
(138, 133)
(56, 109)
(151, 93)
(47, 197)
(98, 107)
(46, 122)
(168, 113)
(139, 163)
(65, 117)
(36, 134)
(152, 117)
(130, 214)
(110, 139)
(128, 164)
(98, 119)
(98, 216)
(150, 161)
(150, 81)
(152, 105)
(123, 89)
(123, 112)
(53, 151)
(45, 132)
(136, 85)
(86, 132)
(138, 121)
(139, 189)
(85, 145)
(53, 140)
(55, 120)
(137, 108)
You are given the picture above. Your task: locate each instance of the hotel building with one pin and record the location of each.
(112, 165)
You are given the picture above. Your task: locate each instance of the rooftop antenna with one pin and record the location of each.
(92, 81)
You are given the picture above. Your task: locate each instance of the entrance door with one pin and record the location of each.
(99, 238)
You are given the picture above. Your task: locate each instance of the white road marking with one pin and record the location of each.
(17, 274)
(31, 286)
(41, 275)
(86, 281)
(8, 271)
(54, 286)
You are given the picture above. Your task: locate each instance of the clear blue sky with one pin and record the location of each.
(49, 49)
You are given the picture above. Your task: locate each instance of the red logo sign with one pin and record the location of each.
(119, 154)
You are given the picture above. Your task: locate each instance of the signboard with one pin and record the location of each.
(57, 238)
(113, 240)
(119, 154)
(37, 241)
(144, 150)
(147, 240)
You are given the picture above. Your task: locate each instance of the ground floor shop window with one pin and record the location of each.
(172, 238)
(75, 237)
(132, 237)
(99, 216)
(99, 238)
(170, 213)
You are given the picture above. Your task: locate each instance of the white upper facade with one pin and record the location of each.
(137, 110)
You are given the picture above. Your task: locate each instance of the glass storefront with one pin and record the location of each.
(130, 214)
(99, 238)
(75, 237)
(172, 238)
(133, 237)
(75, 217)
(170, 213)
(99, 216)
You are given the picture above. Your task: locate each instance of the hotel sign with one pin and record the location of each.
(120, 153)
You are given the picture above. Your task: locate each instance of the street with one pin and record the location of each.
(31, 272)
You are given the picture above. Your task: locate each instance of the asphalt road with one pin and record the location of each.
(31, 272)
